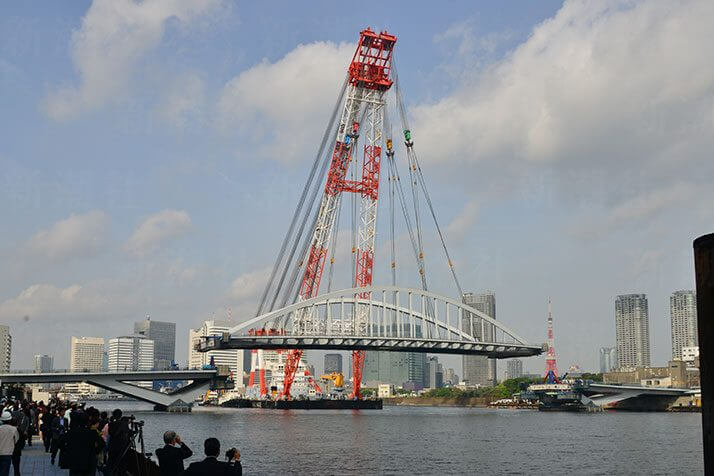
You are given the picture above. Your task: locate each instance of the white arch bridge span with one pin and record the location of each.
(386, 318)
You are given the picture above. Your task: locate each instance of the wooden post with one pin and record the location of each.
(704, 271)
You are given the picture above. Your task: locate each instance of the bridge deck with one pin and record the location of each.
(432, 346)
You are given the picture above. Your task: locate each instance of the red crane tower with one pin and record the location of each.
(369, 78)
(551, 369)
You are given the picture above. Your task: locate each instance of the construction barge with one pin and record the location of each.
(318, 404)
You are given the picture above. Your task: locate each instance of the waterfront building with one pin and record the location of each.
(691, 355)
(402, 369)
(385, 368)
(479, 370)
(164, 336)
(514, 368)
(632, 331)
(86, 354)
(608, 359)
(5, 348)
(333, 363)
(44, 363)
(435, 373)
(683, 312)
(233, 358)
(131, 353)
(451, 377)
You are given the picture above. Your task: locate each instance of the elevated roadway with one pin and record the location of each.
(119, 382)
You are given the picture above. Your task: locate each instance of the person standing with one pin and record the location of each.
(211, 466)
(8, 439)
(58, 428)
(46, 428)
(173, 453)
(80, 446)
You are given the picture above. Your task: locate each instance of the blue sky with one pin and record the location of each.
(152, 154)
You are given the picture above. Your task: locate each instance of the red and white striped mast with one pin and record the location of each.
(551, 369)
(369, 80)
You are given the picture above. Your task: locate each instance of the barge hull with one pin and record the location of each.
(305, 404)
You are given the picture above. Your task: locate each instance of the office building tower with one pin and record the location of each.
(683, 311)
(514, 368)
(44, 363)
(435, 373)
(5, 348)
(386, 368)
(164, 336)
(451, 377)
(478, 369)
(233, 358)
(86, 354)
(333, 363)
(130, 353)
(608, 359)
(632, 331)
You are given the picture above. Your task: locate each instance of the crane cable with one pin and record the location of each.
(289, 236)
(410, 151)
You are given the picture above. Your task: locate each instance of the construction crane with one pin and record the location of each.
(337, 379)
(368, 81)
(359, 122)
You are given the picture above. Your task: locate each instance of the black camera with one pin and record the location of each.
(231, 454)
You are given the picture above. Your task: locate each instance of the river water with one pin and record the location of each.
(437, 440)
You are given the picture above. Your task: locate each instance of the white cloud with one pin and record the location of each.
(599, 82)
(44, 301)
(114, 37)
(156, 230)
(248, 286)
(76, 236)
(182, 101)
(282, 107)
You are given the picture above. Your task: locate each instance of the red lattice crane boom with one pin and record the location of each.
(369, 80)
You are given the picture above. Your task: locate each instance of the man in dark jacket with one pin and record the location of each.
(80, 446)
(211, 466)
(171, 456)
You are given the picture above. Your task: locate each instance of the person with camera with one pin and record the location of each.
(118, 443)
(173, 453)
(211, 466)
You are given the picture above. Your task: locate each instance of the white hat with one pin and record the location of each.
(6, 416)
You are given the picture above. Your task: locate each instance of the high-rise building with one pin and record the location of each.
(478, 369)
(131, 353)
(632, 331)
(164, 336)
(44, 363)
(451, 377)
(386, 368)
(683, 310)
(514, 368)
(86, 354)
(5, 348)
(608, 359)
(233, 358)
(435, 373)
(333, 363)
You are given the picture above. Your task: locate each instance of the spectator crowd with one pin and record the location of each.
(85, 441)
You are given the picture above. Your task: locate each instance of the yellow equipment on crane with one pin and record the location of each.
(337, 379)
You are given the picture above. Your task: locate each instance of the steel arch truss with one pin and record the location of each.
(398, 319)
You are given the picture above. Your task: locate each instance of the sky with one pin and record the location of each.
(152, 153)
